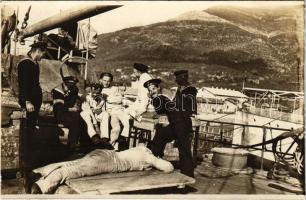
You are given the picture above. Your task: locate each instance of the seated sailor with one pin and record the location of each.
(92, 107)
(137, 108)
(113, 98)
(66, 108)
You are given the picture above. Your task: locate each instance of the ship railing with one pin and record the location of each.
(209, 137)
(295, 116)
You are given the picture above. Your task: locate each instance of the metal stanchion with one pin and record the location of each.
(261, 173)
(263, 148)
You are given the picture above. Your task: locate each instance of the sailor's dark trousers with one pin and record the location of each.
(181, 130)
(75, 125)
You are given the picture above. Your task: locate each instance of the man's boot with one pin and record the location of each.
(123, 143)
(95, 139)
(30, 179)
(105, 144)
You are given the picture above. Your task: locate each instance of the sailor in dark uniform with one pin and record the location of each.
(66, 108)
(185, 98)
(186, 106)
(30, 93)
(178, 111)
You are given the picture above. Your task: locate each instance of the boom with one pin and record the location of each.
(64, 17)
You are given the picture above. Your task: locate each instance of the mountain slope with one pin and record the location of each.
(229, 41)
(267, 20)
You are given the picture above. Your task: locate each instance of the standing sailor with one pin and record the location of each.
(185, 98)
(179, 112)
(186, 105)
(30, 93)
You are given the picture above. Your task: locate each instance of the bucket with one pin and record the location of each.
(230, 158)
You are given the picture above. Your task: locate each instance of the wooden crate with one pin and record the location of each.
(10, 146)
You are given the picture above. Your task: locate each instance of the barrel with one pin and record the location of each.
(230, 158)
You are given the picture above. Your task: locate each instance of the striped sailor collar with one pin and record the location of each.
(182, 88)
(61, 88)
(28, 58)
(165, 95)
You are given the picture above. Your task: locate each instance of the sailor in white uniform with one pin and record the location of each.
(142, 101)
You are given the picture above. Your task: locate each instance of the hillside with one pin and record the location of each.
(220, 46)
(265, 19)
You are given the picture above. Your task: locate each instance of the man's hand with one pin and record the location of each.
(194, 116)
(138, 116)
(73, 109)
(29, 106)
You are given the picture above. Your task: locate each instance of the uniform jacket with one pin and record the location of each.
(63, 99)
(28, 81)
(113, 97)
(142, 100)
(185, 101)
(142, 93)
(180, 108)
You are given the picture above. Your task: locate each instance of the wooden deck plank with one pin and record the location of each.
(128, 181)
(118, 175)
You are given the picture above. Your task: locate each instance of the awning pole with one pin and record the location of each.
(15, 42)
(87, 51)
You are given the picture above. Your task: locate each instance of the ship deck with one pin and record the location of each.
(237, 184)
(208, 180)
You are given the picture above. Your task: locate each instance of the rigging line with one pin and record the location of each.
(16, 30)
(241, 126)
(273, 139)
(222, 117)
(261, 125)
(280, 137)
(283, 144)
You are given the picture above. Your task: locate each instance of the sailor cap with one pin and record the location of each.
(141, 67)
(155, 81)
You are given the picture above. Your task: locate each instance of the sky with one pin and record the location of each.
(132, 13)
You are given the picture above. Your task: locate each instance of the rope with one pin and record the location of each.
(216, 119)
(284, 135)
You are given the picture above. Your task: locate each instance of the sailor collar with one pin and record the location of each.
(165, 95)
(29, 58)
(62, 89)
(184, 88)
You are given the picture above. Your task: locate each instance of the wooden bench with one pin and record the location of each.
(125, 182)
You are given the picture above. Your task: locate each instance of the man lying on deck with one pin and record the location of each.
(97, 162)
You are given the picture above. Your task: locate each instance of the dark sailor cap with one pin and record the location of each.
(40, 45)
(155, 81)
(141, 67)
(180, 72)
